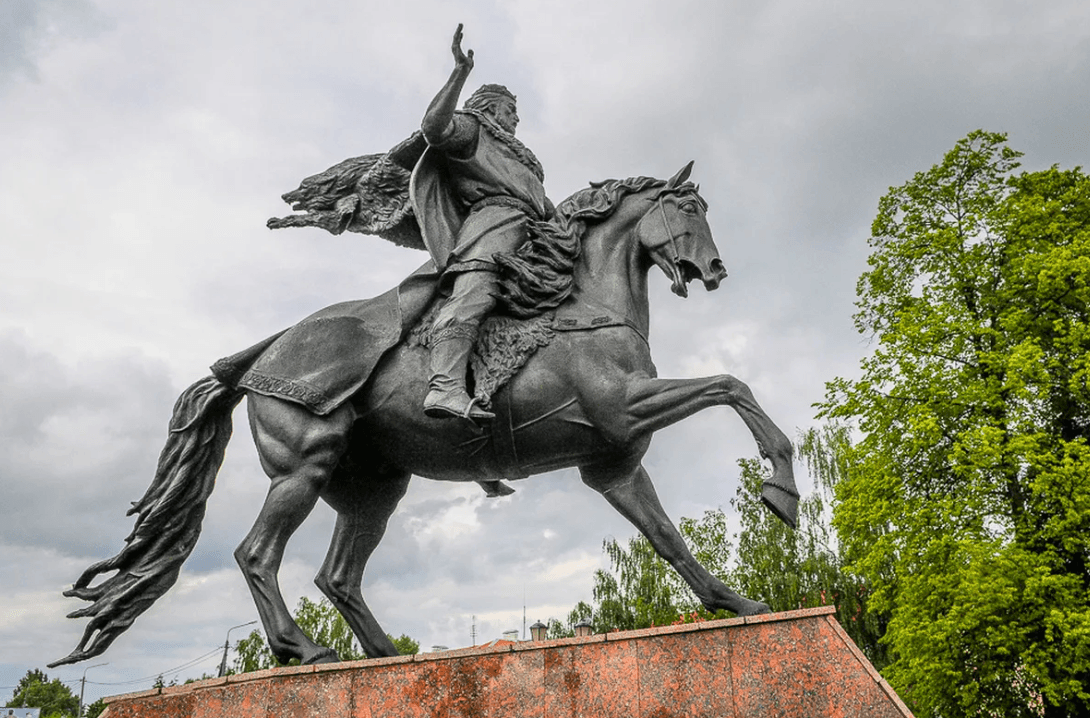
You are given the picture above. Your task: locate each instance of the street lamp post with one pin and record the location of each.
(83, 683)
(226, 641)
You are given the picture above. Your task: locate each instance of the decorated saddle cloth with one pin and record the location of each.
(326, 358)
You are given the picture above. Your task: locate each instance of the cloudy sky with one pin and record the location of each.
(143, 145)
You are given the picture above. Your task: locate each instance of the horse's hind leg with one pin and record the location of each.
(364, 501)
(299, 451)
(630, 491)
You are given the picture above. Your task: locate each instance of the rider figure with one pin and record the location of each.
(473, 193)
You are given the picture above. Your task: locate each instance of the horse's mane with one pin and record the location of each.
(537, 276)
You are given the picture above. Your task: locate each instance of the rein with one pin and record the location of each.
(676, 259)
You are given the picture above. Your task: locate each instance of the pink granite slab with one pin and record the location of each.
(798, 663)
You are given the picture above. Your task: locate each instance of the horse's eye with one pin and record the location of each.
(689, 207)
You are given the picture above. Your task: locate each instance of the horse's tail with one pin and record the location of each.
(168, 519)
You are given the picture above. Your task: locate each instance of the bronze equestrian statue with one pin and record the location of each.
(351, 402)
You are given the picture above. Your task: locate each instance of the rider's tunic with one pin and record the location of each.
(473, 193)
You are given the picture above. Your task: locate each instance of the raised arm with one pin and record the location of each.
(440, 115)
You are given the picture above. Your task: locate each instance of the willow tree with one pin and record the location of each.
(966, 500)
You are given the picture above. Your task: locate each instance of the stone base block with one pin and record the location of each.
(798, 663)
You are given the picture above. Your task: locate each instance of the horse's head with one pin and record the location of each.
(675, 234)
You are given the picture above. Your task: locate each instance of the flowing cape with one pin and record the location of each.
(379, 194)
(440, 223)
(326, 358)
(367, 194)
(402, 195)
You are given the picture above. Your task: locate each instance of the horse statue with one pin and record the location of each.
(587, 397)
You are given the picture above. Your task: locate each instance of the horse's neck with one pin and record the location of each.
(610, 274)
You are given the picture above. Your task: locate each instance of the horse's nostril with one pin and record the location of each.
(717, 268)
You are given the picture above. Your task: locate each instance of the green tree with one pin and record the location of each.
(35, 690)
(252, 654)
(324, 625)
(558, 629)
(639, 590)
(405, 645)
(966, 501)
(95, 709)
(160, 683)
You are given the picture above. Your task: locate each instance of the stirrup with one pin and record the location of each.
(482, 413)
(472, 411)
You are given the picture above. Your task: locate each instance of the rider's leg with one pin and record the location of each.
(299, 451)
(453, 337)
(363, 501)
(630, 491)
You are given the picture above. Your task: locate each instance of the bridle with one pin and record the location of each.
(671, 238)
(676, 258)
(667, 252)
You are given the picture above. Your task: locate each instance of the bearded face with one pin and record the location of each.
(504, 114)
(497, 102)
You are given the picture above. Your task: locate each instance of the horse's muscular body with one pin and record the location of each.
(589, 399)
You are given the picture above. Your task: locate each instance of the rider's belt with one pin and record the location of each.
(506, 201)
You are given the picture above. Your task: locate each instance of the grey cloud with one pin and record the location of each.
(27, 27)
(799, 116)
(68, 432)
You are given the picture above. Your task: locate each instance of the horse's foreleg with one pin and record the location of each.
(633, 495)
(364, 505)
(299, 452)
(653, 404)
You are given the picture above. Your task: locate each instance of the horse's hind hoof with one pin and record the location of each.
(327, 655)
(753, 608)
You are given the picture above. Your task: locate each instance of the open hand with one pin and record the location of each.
(462, 60)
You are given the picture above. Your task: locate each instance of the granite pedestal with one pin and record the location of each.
(798, 663)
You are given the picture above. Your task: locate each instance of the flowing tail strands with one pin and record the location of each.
(168, 520)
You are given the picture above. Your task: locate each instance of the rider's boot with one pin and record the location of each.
(447, 396)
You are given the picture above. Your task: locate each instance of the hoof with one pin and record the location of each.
(753, 608)
(326, 655)
(782, 502)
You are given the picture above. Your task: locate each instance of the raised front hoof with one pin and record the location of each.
(783, 503)
(440, 404)
(326, 655)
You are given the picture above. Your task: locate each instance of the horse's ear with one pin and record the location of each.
(681, 176)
